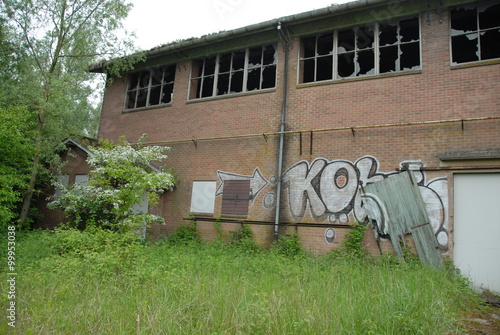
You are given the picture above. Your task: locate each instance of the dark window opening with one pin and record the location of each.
(151, 87)
(475, 32)
(235, 72)
(367, 50)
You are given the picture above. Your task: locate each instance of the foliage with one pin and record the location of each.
(49, 46)
(353, 242)
(114, 285)
(242, 239)
(16, 151)
(120, 178)
(289, 245)
(184, 234)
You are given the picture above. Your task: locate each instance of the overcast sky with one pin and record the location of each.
(158, 22)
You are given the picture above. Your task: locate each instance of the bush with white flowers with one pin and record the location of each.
(120, 177)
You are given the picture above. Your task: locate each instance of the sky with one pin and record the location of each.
(158, 22)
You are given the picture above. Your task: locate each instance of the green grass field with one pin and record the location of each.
(73, 282)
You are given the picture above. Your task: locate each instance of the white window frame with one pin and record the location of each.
(193, 82)
(376, 49)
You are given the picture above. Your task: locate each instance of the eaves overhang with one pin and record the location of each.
(331, 17)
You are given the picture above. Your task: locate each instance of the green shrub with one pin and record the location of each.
(353, 241)
(289, 245)
(185, 233)
(242, 239)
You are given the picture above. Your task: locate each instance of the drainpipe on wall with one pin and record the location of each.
(285, 39)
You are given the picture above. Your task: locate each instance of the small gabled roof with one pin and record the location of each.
(95, 142)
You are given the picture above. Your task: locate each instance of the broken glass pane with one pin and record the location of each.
(269, 55)
(141, 98)
(346, 65)
(156, 77)
(388, 59)
(464, 48)
(388, 34)
(409, 30)
(224, 62)
(209, 66)
(208, 87)
(131, 99)
(489, 14)
(169, 75)
(269, 77)
(345, 41)
(325, 44)
(366, 62)
(325, 68)
(254, 57)
(238, 60)
(410, 56)
(154, 95)
(365, 37)
(253, 79)
(309, 47)
(308, 70)
(134, 80)
(490, 44)
(463, 20)
(237, 82)
(223, 84)
(168, 89)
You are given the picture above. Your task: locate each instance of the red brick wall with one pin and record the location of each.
(437, 92)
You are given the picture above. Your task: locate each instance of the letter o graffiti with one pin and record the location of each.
(339, 184)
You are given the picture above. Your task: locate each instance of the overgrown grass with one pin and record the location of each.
(73, 282)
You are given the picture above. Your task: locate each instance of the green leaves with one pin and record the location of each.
(121, 178)
(16, 150)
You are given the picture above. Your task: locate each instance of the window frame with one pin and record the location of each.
(196, 82)
(477, 32)
(138, 77)
(356, 50)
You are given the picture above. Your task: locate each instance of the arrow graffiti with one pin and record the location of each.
(257, 181)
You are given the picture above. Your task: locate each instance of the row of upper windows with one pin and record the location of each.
(372, 49)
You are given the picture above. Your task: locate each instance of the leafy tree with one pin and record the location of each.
(53, 43)
(16, 151)
(120, 177)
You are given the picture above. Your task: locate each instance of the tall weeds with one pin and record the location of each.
(107, 284)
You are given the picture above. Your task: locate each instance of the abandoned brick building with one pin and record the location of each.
(282, 123)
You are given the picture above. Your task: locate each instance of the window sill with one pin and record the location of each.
(354, 79)
(127, 111)
(474, 64)
(233, 95)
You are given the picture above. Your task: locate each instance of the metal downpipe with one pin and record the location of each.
(285, 39)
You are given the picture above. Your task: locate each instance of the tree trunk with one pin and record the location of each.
(34, 172)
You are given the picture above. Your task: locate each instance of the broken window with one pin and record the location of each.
(234, 72)
(365, 50)
(151, 87)
(475, 32)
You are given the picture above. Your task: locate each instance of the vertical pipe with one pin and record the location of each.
(285, 40)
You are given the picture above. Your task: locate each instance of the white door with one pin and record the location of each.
(477, 228)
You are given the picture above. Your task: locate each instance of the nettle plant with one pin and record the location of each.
(121, 177)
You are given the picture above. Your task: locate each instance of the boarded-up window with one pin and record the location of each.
(235, 197)
(203, 197)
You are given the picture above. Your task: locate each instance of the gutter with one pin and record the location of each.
(251, 29)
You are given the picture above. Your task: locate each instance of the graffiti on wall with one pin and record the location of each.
(331, 191)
